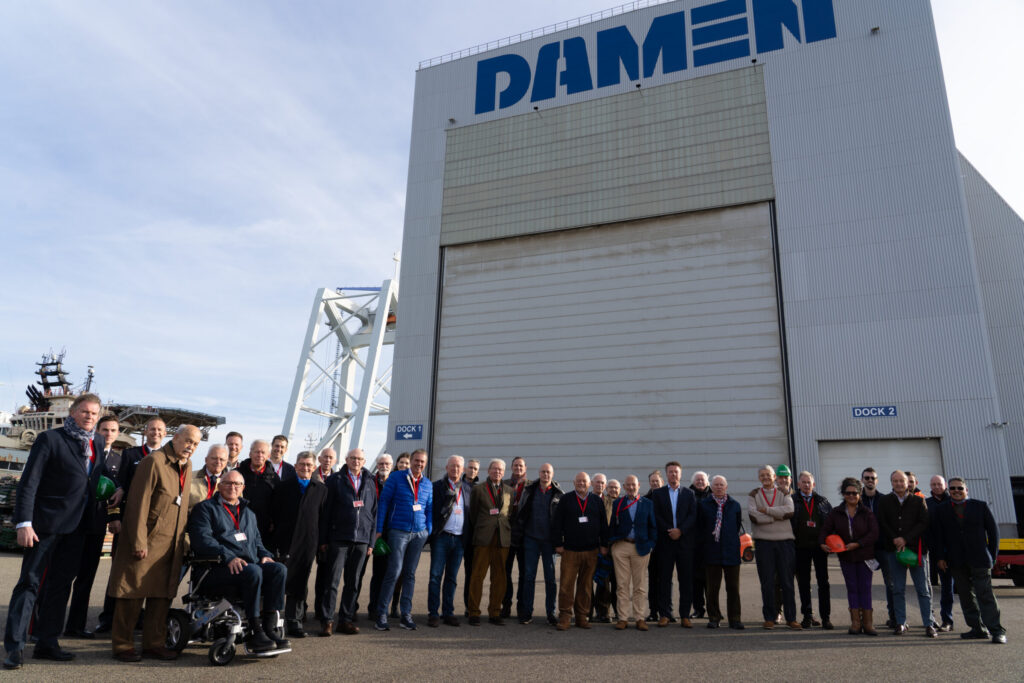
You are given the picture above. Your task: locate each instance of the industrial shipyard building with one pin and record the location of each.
(726, 233)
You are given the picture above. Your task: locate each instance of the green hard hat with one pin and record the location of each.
(105, 488)
(381, 547)
(783, 471)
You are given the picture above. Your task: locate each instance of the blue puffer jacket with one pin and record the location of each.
(394, 510)
(211, 531)
(726, 551)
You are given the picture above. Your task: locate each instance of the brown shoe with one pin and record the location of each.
(768, 625)
(794, 625)
(621, 626)
(348, 628)
(641, 625)
(450, 621)
(326, 629)
(433, 622)
(161, 653)
(582, 622)
(563, 623)
(663, 622)
(128, 656)
(685, 623)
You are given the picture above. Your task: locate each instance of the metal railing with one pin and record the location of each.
(543, 31)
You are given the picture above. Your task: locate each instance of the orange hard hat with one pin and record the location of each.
(835, 543)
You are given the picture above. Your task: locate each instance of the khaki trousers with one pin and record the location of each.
(576, 583)
(154, 624)
(486, 557)
(630, 571)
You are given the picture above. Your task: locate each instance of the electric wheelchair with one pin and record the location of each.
(215, 617)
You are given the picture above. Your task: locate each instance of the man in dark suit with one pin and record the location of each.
(447, 542)
(517, 482)
(57, 485)
(969, 543)
(675, 511)
(279, 449)
(297, 507)
(153, 434)
(94, 525)
(260, 482)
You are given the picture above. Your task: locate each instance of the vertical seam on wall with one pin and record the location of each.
(780, 308)
(437, 353)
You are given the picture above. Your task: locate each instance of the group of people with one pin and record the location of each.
(270, 522)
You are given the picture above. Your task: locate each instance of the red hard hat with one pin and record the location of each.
(835, 543)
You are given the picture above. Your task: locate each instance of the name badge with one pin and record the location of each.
(240, 536)
(177, 501)
(416, 507)
(457, 510)
(358, 504)
(495, 511)
(812, 524)
(583, 520)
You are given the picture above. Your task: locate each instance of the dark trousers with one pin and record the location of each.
(775, 560)
(322, 581)
(106, 618)
(804, 558)
(699, 586)
(857, 576)
(713, 580)
(977, 600)
(544, 552)
(605, 589)
(515, 556)
(296, 587)
(674, 558)
(78, 612)
(346, 561)
(52, 551)
(653, 586)
(945, 582)
(256, 582)
(467, 572)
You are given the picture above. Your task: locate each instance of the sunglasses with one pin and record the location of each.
(867, 478)
(851, 493)
(957, 488)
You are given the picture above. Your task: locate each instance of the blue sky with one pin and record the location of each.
(177, 179)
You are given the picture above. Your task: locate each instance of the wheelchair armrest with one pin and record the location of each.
(199, 560)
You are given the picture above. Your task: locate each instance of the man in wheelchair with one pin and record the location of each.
(224, 525)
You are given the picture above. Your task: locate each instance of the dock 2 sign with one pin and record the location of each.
(874, 411)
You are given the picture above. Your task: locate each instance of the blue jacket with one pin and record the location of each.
(726, 551)
(343, 521)
(394, 510)
(973, 544)
(211, 531)
(645, 531)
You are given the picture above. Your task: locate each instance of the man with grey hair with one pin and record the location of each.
(381, 470)
(597, 484)
(701, 488)
(204, 481)
(579, 530)
(451, 509)
(469, 476)
(939, 577)
(325, 467)
(490, 504)
(605, 584)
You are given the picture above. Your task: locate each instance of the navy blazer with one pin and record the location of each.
(645, 531)
(444, 503)
(725, 551)
(976, 543)
(343, 521)
(686, 514)
(211, 531)
(54, 489)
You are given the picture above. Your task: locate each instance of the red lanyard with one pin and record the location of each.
(262, 469)
(324, 475)
(810, 510)
(618, 512)
(519, 490)
(493, 502)
(146, 450)
(458, 492)
(209, 487)
(92, 447)
(775, 492)
(583, 505)
(415, 489)
(233, 517)
(355, 482)
(181, 477)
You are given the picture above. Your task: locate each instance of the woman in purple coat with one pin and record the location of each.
(856, 525)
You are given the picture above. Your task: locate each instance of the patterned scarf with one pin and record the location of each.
(717, 533)
(72, 428)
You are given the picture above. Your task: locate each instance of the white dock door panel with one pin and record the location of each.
(841, 459)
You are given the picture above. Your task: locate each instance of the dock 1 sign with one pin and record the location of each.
(874, 411)
(408, 432)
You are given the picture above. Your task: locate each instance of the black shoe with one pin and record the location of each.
(671, 620)
(506, 612)
(55, 653)
(13, 660)
(975, 634)
(295, 630)
(525, 620)
(999, 639)
(552, 620)
(259, 642)
(474, 621)
(103, 627)
(76, 633)
(737, 625)
(946, 627)
(496, 621)
(450, 621)
(270, 628)
(712, 623)
(433, 621)
(827, 624)
(697, 614)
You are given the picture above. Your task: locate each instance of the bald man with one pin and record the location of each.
(579, 531)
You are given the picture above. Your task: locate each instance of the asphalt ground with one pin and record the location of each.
(537, 652)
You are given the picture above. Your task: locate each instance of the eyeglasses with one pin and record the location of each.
(957, 488)
(851, 493)
(232, 484)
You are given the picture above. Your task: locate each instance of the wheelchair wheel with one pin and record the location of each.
(178, 628)
(221, 653)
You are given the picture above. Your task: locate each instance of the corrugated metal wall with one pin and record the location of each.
(616, 348)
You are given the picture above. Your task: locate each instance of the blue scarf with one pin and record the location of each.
(76, 432)
(303, 484)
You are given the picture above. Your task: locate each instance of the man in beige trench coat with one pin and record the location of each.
(147, 565)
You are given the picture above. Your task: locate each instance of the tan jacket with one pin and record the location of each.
(198, 488)
(155, 524)
(482, 522)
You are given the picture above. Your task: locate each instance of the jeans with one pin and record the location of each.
(887, 580)
(898, 576)
(946, 596)
(775, 560)
(406, 547)
(256, 582)
(446, 553)
(974, 587)
(534, 550)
